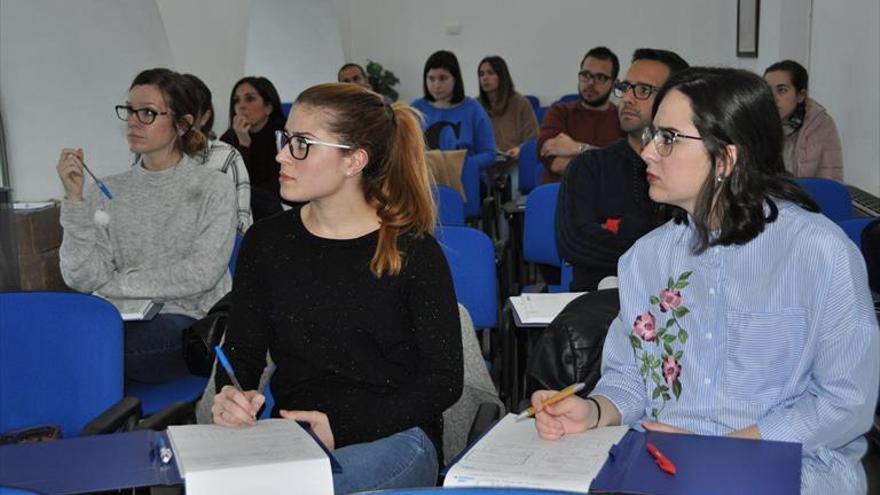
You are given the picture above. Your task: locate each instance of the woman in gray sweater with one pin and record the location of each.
(164, 231)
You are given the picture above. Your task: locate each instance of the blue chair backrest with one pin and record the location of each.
(536, 103)
(854, 227)
(233, 260)
(530, 169)
(539, 226)
(540, 112)
(285, 108)
(61, 358)
(450, 205)
(567, 98)
(471, 257)
(833, 198)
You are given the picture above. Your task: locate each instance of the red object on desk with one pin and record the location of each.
(665, 464)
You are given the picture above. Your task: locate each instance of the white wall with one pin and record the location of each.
(63, 66)
(845, 78)
(295, 44)
(65, 63)
(210, 43)
(544, 41)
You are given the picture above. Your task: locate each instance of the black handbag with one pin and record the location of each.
(200, 338)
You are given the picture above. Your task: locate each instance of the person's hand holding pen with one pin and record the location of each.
(233, 407)
(572, 414)
(70, 170)
(319, 422)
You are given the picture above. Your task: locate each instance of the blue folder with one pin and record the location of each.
(87, 464)
(704, 464)
(95, 463)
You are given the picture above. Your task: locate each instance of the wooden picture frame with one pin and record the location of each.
(748, 14)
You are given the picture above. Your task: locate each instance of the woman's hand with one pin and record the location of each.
(319, 422)
(235, 408)
(242, 130)
(664, 428)
(70, 170)
(513, 152)
(571, 415)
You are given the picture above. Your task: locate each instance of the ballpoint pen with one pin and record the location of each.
(567, 391)
(665, 464)
(101, 185)
(228, 367)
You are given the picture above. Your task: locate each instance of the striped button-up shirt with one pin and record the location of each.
(778, 333)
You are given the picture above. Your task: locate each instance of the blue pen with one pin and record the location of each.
(100, 183)
(228, 367)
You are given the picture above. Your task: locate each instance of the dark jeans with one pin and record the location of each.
(154, 348)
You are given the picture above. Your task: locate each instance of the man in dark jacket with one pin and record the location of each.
(603, 203)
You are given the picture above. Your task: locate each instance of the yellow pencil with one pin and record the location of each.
(567, 391)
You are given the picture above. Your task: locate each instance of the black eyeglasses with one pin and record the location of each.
(145, 116)
(640, 90)
(663, 139)
(587, 76)
(300, 150)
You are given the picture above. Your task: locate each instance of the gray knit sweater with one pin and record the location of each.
(165, 236)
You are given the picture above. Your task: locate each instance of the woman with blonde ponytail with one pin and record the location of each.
(161, 230)
(350, 293)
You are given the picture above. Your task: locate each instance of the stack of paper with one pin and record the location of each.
(540, 309)
(512, 455)
(276, 456)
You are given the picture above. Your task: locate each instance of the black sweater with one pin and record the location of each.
(378, 356)
(602, 184)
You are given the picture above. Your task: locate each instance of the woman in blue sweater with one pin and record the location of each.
(454, 121)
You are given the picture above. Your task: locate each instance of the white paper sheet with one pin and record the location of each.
(541, 309)
(512, 455)
(274, 456)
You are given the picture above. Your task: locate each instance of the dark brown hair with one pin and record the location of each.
(182, 101)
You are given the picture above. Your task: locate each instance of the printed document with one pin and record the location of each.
(275, 456)
(539, 308)
(512, 455)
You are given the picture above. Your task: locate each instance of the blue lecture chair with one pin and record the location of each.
(450, 205)
(156, 397)
(854, 227)
(61, 362)
(540, 112)
(466, 491)
(833, 198)
(536, 103)
(530, 169)
(567, 98)
(539, 234)
(471, 257)
(285, 108)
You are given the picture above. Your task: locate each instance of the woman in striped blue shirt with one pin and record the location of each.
(749, 314)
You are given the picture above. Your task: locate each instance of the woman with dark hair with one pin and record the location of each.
(350, 293)
(812, 143)
(254, 116)
(454, 122)
(781, 340)
(513, 118)
(163, 231)
(222, 156)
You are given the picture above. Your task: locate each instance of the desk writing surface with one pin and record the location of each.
(704, 464)
(86, 464)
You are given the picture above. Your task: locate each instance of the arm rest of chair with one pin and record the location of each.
(121, 416)
(487, 414)
(178, 413)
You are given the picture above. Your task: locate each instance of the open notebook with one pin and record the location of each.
(512, 455)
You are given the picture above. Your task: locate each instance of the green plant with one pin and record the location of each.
(383, 81)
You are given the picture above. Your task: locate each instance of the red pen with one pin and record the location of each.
(665, 464)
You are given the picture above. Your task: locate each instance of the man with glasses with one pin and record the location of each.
(603, 203)
(591, 121)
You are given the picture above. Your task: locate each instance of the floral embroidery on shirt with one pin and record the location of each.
(647, 336)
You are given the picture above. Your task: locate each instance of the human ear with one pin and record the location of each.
(185, 124)
(357, 160)
(725, 163)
